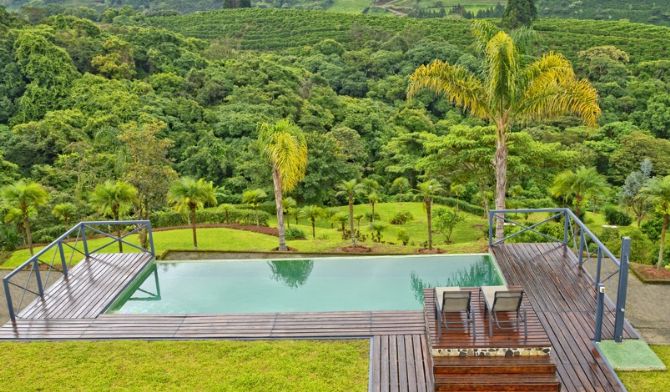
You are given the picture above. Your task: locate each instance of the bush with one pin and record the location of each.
(401, 217)
(48, 234)
(652, 228)
(368, 216)
(616, 217)
(294, 233)
(403, 237)
(240, 216)
(10, 238)
(462, 205)
(642, 249)
(550, 229)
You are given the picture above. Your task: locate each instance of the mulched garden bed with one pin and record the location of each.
(355, 249)
(650, 274)
(433, 251)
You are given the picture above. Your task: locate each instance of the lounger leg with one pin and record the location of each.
(491, 319)
(525, 325)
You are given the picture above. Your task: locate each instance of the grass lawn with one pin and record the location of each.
(349, 6)
(468, 236)
(649, 381)
(280, 365)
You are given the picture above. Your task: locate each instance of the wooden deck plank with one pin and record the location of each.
(396, 360)
(564, 300)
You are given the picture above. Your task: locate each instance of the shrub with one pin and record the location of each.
(403, 237)
(368, 216)
(642, 249)
(401, 217)
(294, 233)
(652, 228)
(10, 239)
(240, 216)
(377, 228)
(48, 234)
(445, 222)
(616, 217)
(551, 229)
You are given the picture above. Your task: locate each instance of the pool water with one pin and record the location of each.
(300, 285)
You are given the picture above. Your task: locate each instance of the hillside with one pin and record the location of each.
(280, 29)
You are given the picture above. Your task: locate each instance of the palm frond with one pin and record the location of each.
(286, 147)
(454, 82)
(577, 98)
(503, 70)
(483, 30)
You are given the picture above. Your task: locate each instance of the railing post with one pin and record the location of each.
(566, 227)
(599, 259)
(8, 296)
(151, 238)
(600, 306)
(622, 290)
(38, 277)
(582, 243)
(491, 215)
(63, 260)
(82, 230)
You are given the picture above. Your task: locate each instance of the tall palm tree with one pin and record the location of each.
(290, 207)
(254, 198)
(428, 190)
(114, 199)
(509, 93)
(285, 145)
(579, 186)
(658, 192)
(350, 189)
(373, 199)
(187, 195)
(22, 198)
(312, 213)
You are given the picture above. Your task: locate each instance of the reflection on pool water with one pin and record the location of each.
(300, 285)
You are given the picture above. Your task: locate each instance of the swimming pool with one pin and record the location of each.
(300, 285)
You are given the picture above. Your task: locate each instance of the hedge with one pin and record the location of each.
(241, 216)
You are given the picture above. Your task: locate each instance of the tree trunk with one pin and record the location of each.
(351, 220)
(501, 177)
(29, 234)
(313, 228)
(661, 248)
(276, 179)
(429, 217)
(195, 236)
(373, 212)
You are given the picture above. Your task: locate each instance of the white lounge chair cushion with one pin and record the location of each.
(439, 293)
(490, 294)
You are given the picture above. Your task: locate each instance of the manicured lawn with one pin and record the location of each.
(468, 236)
(649, 381)
(185, 366)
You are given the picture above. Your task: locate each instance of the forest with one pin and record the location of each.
(146, 100)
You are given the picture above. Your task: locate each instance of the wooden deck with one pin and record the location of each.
(457, 337)
(400, 363)
(89, 289)
(564, 300)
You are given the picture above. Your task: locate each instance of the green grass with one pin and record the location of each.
(649, 381)
(280, 365)
(349, 6)
(468, 237)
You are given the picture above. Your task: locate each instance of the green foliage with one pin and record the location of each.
(616, 217)
(403, 237)
(294, 233)
(446, 221)
(401, 217)
(377, 228)
(240, 216)
(519, 13)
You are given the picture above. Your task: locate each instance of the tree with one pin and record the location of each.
(23, 198)
(187, 195)
(519, 13)
(373, 199)
(64, 212)
(114, 199)
(312, 213)
(631, 192)
(579, 186)
(445, 222)
(350, 189)
(400, 185)
(509, 93)
(254, 198)
(428, 190)
(286, 147)
(290, 207)
(658, 191)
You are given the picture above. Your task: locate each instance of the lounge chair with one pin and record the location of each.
(501, 299)
(453, 300)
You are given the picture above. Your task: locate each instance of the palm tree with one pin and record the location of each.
(286, 147)
(658, 192)
(254, 198)
(373, 198)
(577, 187)
(428, 190)
(312, 213)
(290, 207)
(350, 189)
(23, 198)
(187, 195)
(114, 199)
(509, 92)
(64, 212)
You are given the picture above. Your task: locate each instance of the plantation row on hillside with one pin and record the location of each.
(281, 29)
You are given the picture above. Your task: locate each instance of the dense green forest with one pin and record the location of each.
(644, 11)
(160, 97)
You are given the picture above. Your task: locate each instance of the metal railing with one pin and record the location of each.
(582, 241)
(58, 255)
